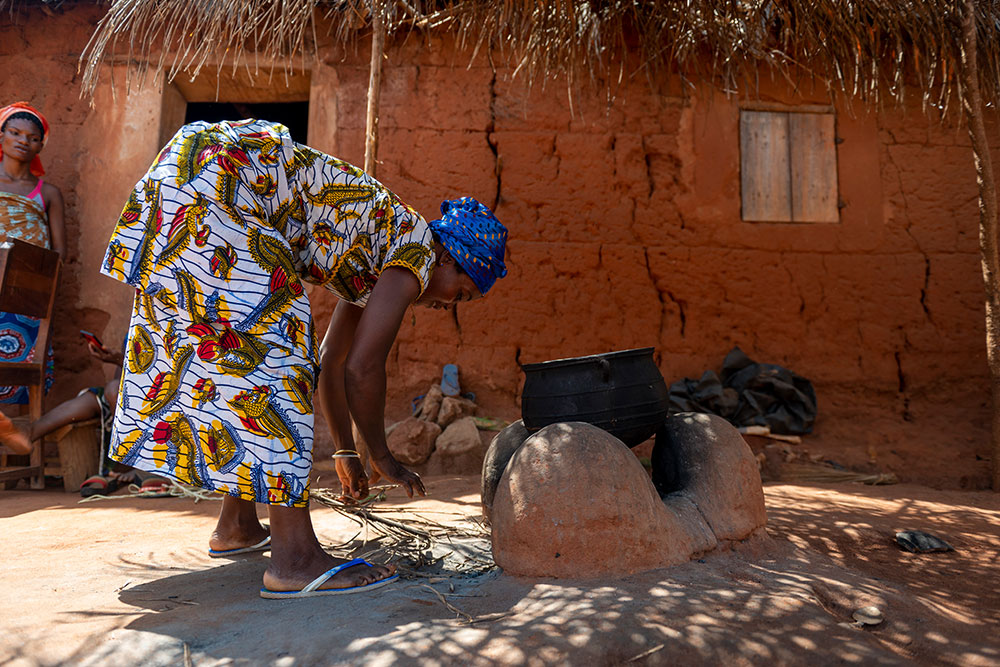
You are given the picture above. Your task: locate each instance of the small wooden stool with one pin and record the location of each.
(79, 452)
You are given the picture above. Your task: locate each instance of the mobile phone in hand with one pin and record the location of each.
(91, 338)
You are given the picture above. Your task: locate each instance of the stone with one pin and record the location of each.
(869, 615)
(716, 471)
(412, 441)
(454, 408)
(575, 502)
(431, 404)
(461, 437)
(498, 454)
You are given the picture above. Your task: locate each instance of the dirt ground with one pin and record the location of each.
(128, 581)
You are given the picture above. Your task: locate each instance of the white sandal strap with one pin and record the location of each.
(326, 576)
(263, 543)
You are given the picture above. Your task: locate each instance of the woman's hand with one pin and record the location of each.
(391, 469)
(353, 479)
(105, 355)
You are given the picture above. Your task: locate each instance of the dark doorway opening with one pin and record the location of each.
(293, 115)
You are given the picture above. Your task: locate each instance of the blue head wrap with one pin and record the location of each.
(475, 238)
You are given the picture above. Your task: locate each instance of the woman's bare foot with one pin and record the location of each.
(238, 526)
(294, 576)
(297, 557)
(12, 438)
(226, 541)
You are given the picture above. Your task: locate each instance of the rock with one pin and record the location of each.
(503, 446)
(453, 409)
(412, 441)
(461, 437)
(715, 470)
(868, 615)
(575, 502)
(919, 542)
(431, 404)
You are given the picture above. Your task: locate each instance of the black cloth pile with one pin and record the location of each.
(750, 394)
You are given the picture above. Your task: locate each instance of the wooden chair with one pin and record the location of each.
(28, 278)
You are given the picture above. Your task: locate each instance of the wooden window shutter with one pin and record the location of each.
(764, 168)
(788, 167)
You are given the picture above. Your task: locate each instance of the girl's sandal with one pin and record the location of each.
(98, 484)
(150, 485)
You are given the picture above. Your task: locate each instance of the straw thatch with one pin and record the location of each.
(860, 48)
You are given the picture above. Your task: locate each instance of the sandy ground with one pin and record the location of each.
(125, 582)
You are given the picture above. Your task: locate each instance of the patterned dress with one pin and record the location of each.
(217, 389)
(24, 218)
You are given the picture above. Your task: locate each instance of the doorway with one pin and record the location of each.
(293, 115)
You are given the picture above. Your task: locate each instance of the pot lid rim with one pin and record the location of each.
(573, 361)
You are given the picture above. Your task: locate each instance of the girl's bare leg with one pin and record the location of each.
(77, 409)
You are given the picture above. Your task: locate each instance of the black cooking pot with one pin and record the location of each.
(620, 392)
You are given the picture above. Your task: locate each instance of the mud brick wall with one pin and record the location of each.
(38, 57)
(625, 231)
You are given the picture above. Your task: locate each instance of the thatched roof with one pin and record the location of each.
(862, 48)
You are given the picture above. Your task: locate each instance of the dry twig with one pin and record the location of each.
(451, 607)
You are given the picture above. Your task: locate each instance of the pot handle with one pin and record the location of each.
(605, 369)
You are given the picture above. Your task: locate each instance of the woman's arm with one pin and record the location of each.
(365, 369)
(332, 397)
(57, 224)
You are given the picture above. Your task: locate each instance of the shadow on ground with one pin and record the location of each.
(722, 610)
(146, 593)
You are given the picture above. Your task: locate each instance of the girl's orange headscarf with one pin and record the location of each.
(10, 110)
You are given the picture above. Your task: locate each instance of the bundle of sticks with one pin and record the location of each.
(408, 538)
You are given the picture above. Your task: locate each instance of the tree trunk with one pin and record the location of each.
(374, 85)
(972, 103)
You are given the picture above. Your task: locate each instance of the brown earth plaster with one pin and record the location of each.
(574, 501)
(625, 231)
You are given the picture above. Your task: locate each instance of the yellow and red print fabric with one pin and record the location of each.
(217, 239)
(22, 218)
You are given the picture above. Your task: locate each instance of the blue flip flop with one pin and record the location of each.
(263, 545)
(309, 591)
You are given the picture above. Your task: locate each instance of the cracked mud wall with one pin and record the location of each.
(625, 231)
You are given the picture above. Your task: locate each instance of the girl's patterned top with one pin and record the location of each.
(24, 218)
